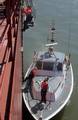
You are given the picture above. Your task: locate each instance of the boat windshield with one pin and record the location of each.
(50, 66)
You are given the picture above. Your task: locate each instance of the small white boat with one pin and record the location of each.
(56, 65)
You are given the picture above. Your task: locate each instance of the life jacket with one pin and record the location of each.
(44, 85)
(27, 10)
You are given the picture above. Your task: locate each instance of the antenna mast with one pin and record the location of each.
(53, 32)
(51, 40)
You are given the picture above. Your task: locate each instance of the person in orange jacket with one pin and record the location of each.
(44, 88)
(27, 10)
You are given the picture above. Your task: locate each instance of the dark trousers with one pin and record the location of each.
(43, 95)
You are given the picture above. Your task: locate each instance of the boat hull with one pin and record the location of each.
(51, 108)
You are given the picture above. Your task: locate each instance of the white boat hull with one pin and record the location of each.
(51, 108)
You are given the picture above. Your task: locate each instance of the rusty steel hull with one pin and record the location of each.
(11, 62)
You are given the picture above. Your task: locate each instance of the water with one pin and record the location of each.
(65, 15)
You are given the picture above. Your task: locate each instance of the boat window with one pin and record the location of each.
(45, 65)
(59, 67)
(48, 66)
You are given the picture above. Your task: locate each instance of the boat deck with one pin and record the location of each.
(53, 82)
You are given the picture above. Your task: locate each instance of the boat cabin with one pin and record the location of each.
(50, 66)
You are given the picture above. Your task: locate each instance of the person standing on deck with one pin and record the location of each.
(29, 78)
(44, 88)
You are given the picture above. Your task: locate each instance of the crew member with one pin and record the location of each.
(30, 77)
(44, 88)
